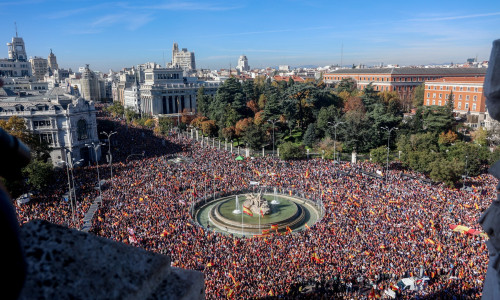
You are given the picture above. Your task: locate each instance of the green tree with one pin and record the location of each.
(447, 171)
(310, 135)
(289, 151)
(418, 95)
(450, 104)
(130, 115)
(347, 85)
(253, 136)
(202, 102)
(436, 119)
(116, 109)
(164, 125)
(40, 174)
(327, 115)
(379, 155)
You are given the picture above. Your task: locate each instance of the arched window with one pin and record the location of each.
(82, 129)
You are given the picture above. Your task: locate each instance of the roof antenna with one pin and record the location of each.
(15, 24)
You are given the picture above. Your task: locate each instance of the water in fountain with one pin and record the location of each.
(237, 210)
(275, 201)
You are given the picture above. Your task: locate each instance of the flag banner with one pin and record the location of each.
(274, 227)
(307, 174)
(307, 226)
(265, 231)
(247, 211)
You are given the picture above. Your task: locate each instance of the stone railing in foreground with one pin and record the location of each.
(64, 263)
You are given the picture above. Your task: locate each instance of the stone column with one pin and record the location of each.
(219, 144)
(354, 157)
(278, 152)
(231, 148)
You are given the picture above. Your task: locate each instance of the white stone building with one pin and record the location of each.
(39, 67)
(183, 59)
(243, 64)
(65, 122)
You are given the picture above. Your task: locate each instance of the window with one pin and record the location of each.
(475, 98)
(46, 138)
(467, 97)
(433, 95)
(440, 96)
(474, 107)
(43, 123)
(439, 103)
(428, 95)
(433, 102)
(82, 130)
(428, 102)
(459, 105)
(466, 105)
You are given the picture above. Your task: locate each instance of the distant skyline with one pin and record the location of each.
(113, 35)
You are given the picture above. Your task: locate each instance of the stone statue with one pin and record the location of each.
(256, 204)
(490, 219)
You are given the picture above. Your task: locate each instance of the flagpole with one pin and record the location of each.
(242, 219)
(260, 212)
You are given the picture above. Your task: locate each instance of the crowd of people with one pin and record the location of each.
(372, 234)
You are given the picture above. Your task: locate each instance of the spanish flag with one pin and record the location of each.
(420, 225)
(439, 248)
(290, 192)
(164, 233)
(265, 231)
(261, 213)
(247, 211)
(289, 229)
(307, 174)
(429, 241)
(316, 258)
(210, 264)
(307, 226)
(171, 225)
(476, 206)
(234, 280)
(274, 227)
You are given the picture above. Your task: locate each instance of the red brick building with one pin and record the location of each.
(401, 80)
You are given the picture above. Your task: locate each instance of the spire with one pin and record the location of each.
(15, 24)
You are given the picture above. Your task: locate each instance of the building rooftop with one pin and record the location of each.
(479, 79)
(413, 71)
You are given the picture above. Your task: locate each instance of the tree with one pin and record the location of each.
(209, 128)
(450, 104)
(202, 102)
(480, 136)
(379, 155)
(326, 115)
(39, 174)
(418, 95)
(290, 150)
(242, 125)
(228, 133)
(447, 171)
(310, 135)
(130, 115)
(346, 84)
(448, 138)
(436, 119)
(197, 121)
(253, 136)
(164, 125)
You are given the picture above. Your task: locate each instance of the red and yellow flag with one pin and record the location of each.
(307, 226)
(289, 229)
(307, 174)
(316, 258)
(420, 225)
(274, 227)
(247, 211)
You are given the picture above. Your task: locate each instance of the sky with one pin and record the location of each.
(117, 34)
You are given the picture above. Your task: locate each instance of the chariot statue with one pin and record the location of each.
(256, 203)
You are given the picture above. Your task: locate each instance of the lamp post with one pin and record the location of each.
(389, 130)
(108, 135)
(94, 145)
(69, 189)
(273, 121)
(335, 125)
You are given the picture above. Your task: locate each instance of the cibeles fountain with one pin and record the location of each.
(250, 214)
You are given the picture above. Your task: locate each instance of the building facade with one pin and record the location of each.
(52, 61)
(89, 82)
(39, 67)
(68, 124)
(183, 59)
(165, 91)
(243, 64)
(401, 80)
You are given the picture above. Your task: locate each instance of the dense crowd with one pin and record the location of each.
(373, 232)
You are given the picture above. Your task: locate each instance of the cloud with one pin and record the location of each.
(443, 18)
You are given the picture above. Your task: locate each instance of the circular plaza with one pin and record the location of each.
(285, 214)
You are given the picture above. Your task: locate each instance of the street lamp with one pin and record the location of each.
(69, 189)
(94, 145)
(335, 124)
(109, 151)
(273, 121)
(389, 130)
(466, 172)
